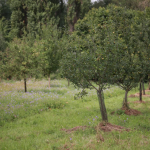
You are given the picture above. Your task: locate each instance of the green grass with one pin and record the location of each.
(33, 120)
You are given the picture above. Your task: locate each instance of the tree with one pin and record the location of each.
(131, 68)
(147, 38)
(48, 47)
(143, 4)
(132, 4)
(76, 9)
(92, 54)
(143, 37)
(19, 59)
(4, 39)
(104, 49)
(5, 9)
(29, 16)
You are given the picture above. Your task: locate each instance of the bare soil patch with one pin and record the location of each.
(131, 112)
(138, 102)
(67, 147)
(74, 129)
(108, 127)
(137, 95)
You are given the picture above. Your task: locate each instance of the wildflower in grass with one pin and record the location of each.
(127, 118)
(89, 122)
(70, 138)
(93, 119)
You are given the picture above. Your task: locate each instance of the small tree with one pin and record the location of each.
(147, 40)
(143, 36)
(19, 59)
(131, 65)
(49, 49)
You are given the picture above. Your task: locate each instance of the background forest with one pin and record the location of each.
(34, 35)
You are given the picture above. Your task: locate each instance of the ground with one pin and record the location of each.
(51, 119)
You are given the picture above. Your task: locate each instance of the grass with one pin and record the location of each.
(33, 120)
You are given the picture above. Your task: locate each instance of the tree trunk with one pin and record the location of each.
(125, 101)
(49, 79)
(140, 94)
(102, 105)
(143, 88)
(149, 82)
(25, 85)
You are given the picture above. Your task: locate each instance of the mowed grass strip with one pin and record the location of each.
(34, 120)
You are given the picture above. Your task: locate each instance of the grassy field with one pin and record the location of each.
(34, 120)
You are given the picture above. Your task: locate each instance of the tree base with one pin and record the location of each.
(131, 112)
(110, 127)
(125, 106)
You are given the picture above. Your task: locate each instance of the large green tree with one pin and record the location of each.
(104, 48)
(94, 50)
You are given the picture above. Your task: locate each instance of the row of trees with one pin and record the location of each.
(31, 34)
(108, 45)
(23, 21)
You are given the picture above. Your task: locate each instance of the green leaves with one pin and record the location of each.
(104, 48)
(19, 59)
(48, 49)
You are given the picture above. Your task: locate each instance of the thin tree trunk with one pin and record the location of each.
(149, 83)
(140, 94)
(49, 79)
(102, 105)
(125, 101)
(143, 88)
(25, 85)
(68, 82)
